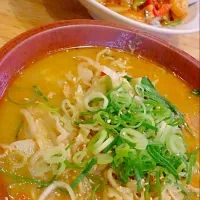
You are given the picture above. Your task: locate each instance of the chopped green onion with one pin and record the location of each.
(147, 187)
(177, 122)
(183, 190)
(115, 89)
(19, 128)
(149, 126)
(79, 156)
(89, 121)
(158, 185)
(69, 145)
(196, 92)
(191, 165)
(59, 166)
(176, 145)
(54, 155)
(96, 100)
(145, 81)
(152, 94)
(128, 78)
(154, 152)
(94, 95)
(99, 142)
(26, 179)
(122, 150)
(104, 159)
(87, 113)
(106, 80)
(110, 146)
(134, 138)
(48, 108)
(173, 108)
(103, 118)
(72, 165)
(84, 173)
(139, 90)
(186, 126)
(21, 96)
(39, 92)
(138, 178)
(120, 99)
(95, 180)
(93, 192)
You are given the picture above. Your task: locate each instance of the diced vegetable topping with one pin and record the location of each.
(154, 12)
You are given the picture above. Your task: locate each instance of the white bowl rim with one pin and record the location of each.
(140, 24)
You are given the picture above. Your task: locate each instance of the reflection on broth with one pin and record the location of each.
(94, 123)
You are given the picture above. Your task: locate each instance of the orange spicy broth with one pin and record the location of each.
(49, 72)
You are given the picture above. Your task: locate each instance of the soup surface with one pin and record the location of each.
(87, 123)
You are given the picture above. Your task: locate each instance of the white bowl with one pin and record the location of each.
(190, 25)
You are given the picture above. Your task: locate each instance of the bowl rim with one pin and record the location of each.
(6, 48)
(140, 24)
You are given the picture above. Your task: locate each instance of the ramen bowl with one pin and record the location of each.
(36, 101)
(16, 54)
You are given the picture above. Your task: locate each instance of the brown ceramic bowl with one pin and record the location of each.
(65, 34)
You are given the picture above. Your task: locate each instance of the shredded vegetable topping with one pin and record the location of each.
(116, 133)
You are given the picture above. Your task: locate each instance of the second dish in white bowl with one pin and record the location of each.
(190, 24)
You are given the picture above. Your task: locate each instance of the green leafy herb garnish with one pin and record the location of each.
(39, 92)
(84, 173)
(196, 92)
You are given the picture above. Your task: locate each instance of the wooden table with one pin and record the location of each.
(17, 16)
